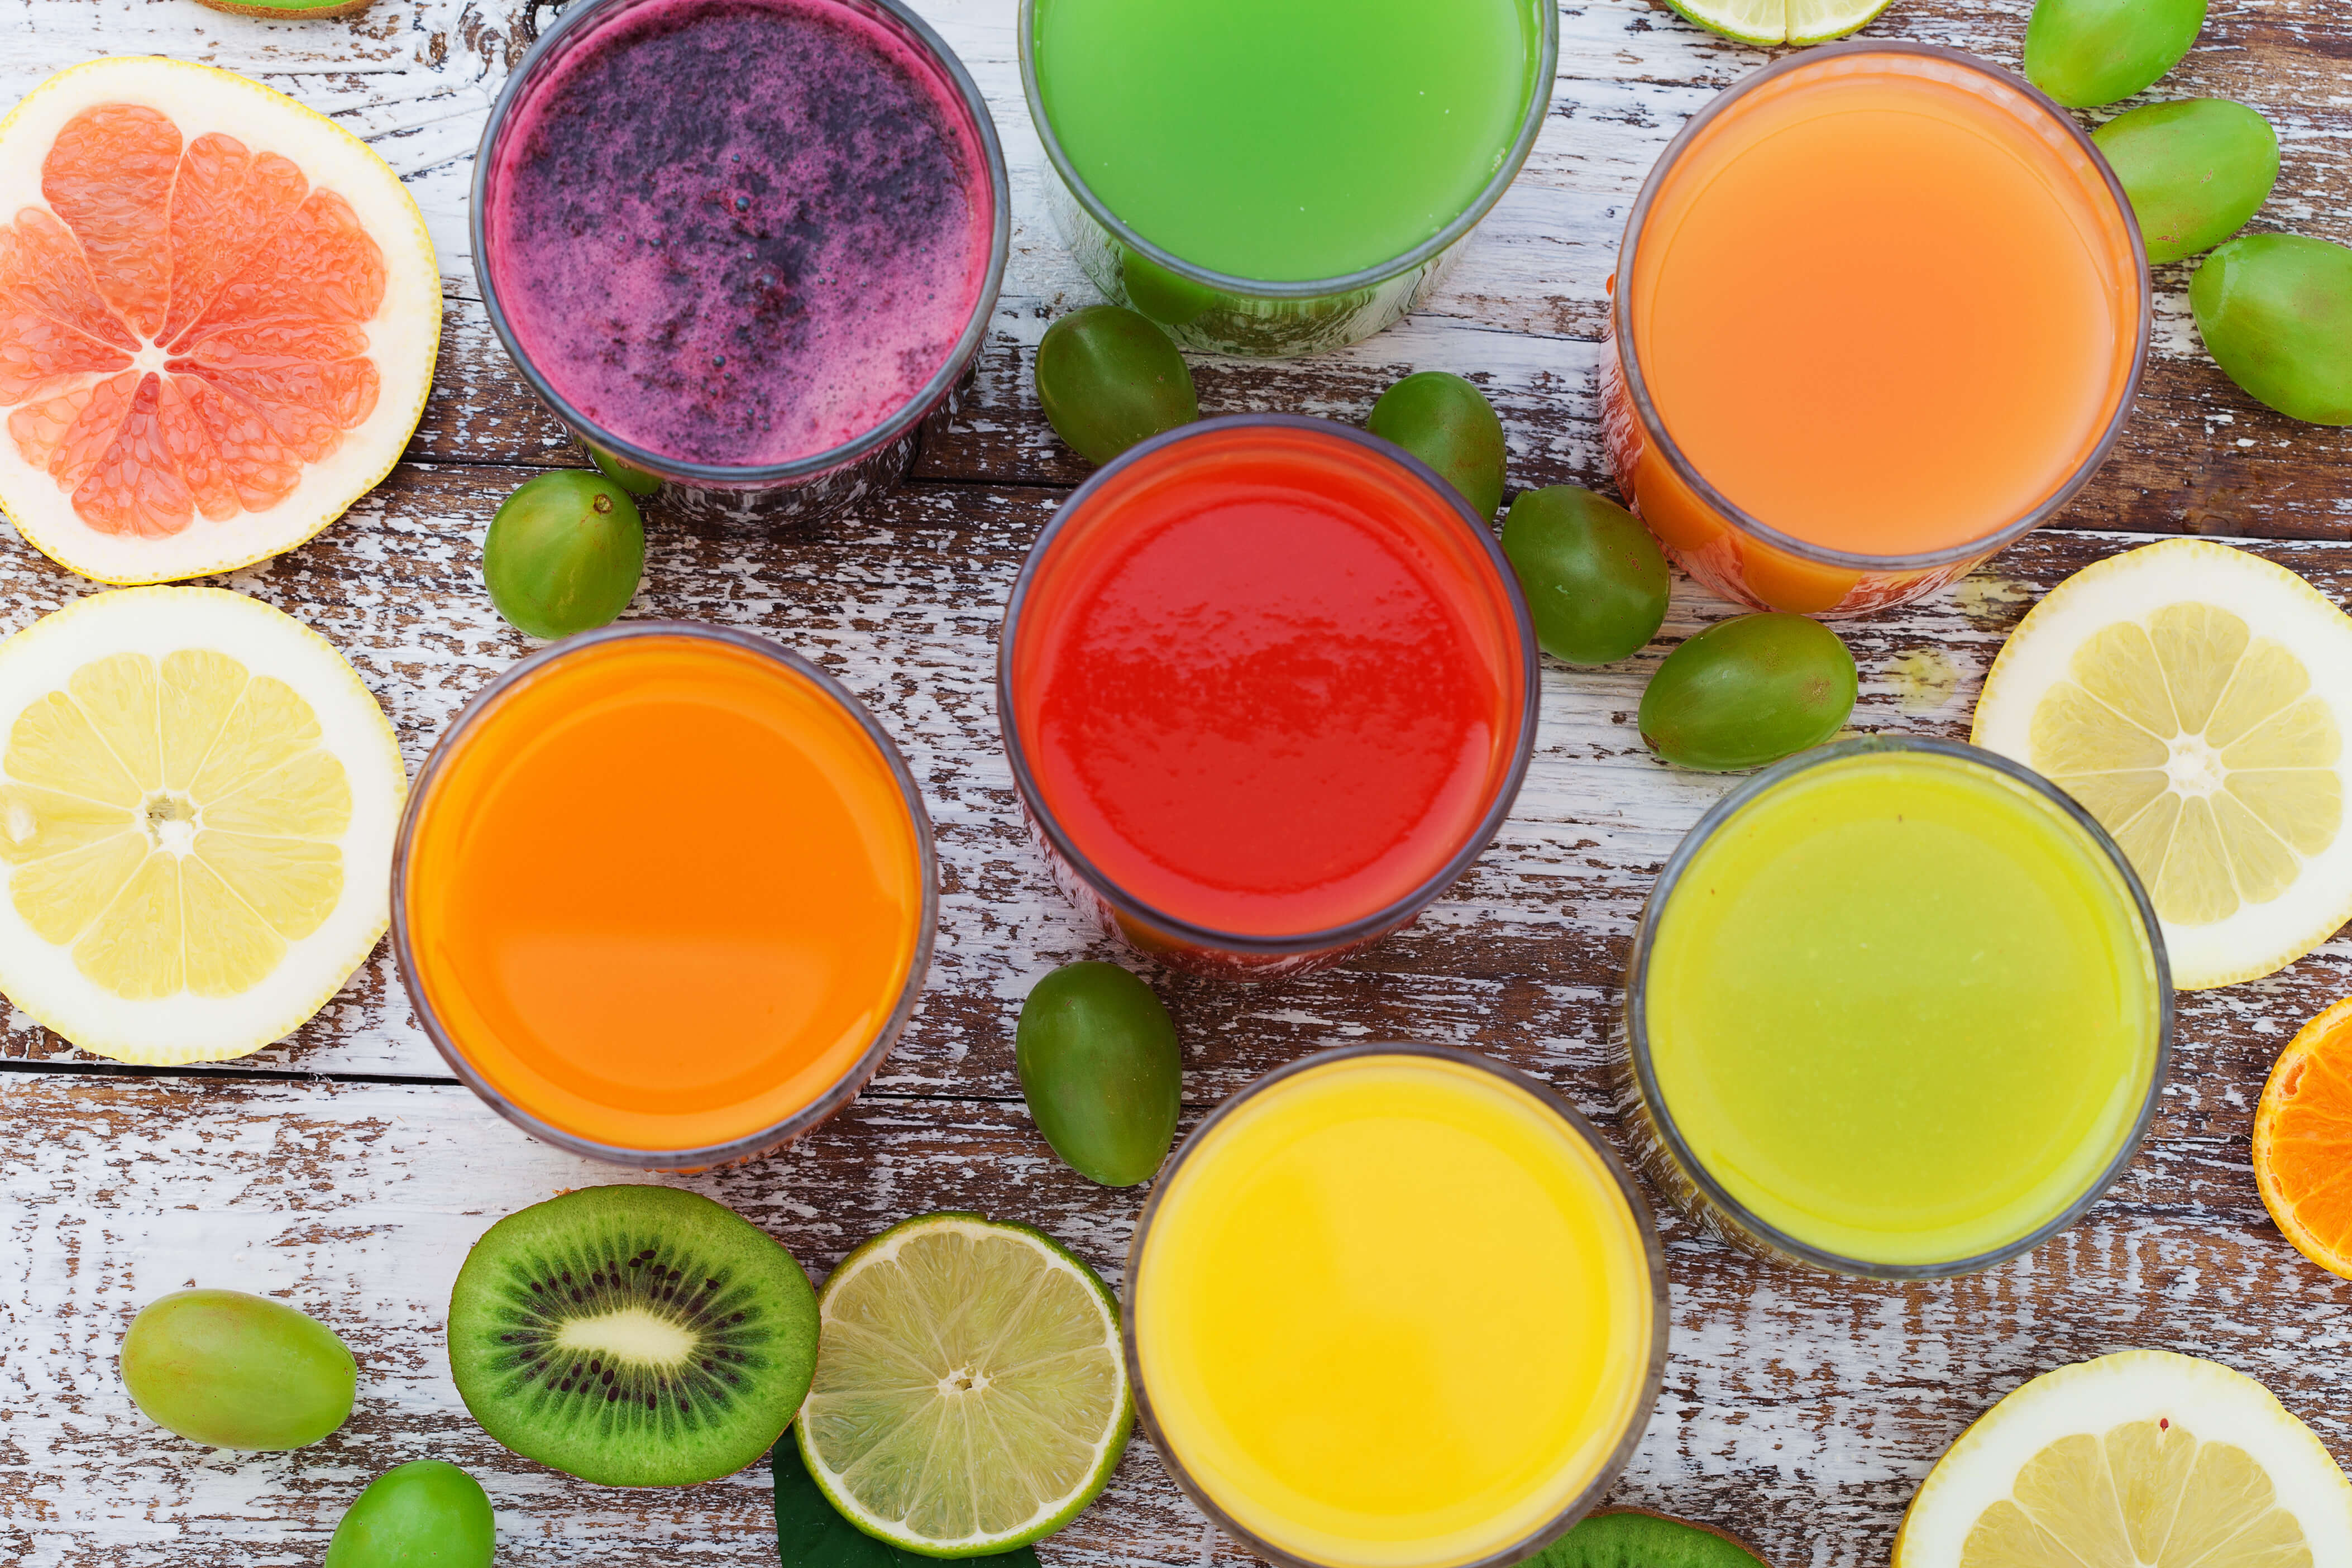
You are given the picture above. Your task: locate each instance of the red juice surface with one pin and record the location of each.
(1267, 682)
(739, 232)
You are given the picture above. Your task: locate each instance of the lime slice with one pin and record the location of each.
(969, 1396)
(2140, 1460)
(1780, 21)
(2194, 698)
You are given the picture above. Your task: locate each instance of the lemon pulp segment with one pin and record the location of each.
(174, 822)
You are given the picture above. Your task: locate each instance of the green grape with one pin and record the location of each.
(628, 475)
(2195, 169)
(1595, 580)
(426, 1514)
(1748, 692)
(565, 553)
(234, 1371)
(2085, 53)
(1448, 424)
(1108, 378)
(1100, 1070)
(2276, 313)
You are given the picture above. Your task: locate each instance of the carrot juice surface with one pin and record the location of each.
(1267, 681)
(1886, 304)
(663, 892)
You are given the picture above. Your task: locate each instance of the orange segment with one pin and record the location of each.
(110, 177)
(260, 286)
(2302, 1141)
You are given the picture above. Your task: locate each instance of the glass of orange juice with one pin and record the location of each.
(1880, 309)
(1395, 1306)
(664, 895)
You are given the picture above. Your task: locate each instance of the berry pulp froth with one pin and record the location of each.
(740, 232)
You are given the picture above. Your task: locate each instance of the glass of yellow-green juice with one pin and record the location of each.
(1395, 1307)
(1898, 1008)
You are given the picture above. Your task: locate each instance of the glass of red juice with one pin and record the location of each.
(1267, 687)
(744, 245)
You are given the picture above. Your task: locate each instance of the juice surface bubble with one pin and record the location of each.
(2195, 169)
(2085, 53)
(1108, 378)
(1448, 424)
(234, 1371)
(1596, 582)
(2275, 310)
(1748, 692)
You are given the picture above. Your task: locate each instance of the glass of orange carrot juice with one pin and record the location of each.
(664, 895)
(1881, 309)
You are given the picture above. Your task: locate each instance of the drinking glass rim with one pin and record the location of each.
(1652, 1262)
(854, 1077)
(579, 18)
(1545, 67)
(1637, 1029)
(1654, 426)
(1365, 926)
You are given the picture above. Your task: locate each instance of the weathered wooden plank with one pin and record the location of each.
(903, 603)
(1798, 1408)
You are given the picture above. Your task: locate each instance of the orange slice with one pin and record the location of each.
(218, 317)
(2302, 1141)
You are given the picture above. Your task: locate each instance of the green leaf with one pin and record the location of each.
(810, 1533)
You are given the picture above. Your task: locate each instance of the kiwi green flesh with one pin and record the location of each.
(634, 1336)
(1630, 1538)
(289, 7)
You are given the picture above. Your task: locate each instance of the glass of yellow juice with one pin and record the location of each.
(1898, 1008)
(1395, 1306)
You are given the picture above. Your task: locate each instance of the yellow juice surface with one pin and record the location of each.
(1394, 1310)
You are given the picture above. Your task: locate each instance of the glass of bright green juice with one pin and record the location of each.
(1279, 176)
(1897, 1008)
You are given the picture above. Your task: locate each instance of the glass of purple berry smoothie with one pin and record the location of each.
(745, 246)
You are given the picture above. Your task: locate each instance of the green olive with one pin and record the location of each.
(1100, 1070)
(2195, 169)
(2276, 313)
(628, 475)
(1108, 378)
(2085, 53)
(565, 553)
(426, 1514)
(234, 1371)
(1595, 580)
(1448, 424)
(1748, 692)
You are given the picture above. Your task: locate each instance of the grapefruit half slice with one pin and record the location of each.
(218, 317)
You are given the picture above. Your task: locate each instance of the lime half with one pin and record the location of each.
(970, 1394)
(1780, 21)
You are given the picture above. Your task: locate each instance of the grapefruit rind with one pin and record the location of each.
(2209, 1401)
(403, 336)
(41, 978)
(2260, 938)
(2328, 1038)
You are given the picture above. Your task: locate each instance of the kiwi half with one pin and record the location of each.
(634, 1336)
(1636, 1538)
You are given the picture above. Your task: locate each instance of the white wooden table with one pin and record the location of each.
(346, 1171)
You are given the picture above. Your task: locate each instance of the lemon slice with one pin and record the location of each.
(1781, 21)
(2140, 1460)
(198, 803)
(2193, 697)
(971, 1396)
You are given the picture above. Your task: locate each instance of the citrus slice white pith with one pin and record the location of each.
(970, 1394)
(218, 317)
(197, 804)
(1781, 21)
(2140, 1459)
(2195, 698)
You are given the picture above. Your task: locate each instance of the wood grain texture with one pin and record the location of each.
(342, 1170)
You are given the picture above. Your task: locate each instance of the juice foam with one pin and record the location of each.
(740, 232)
